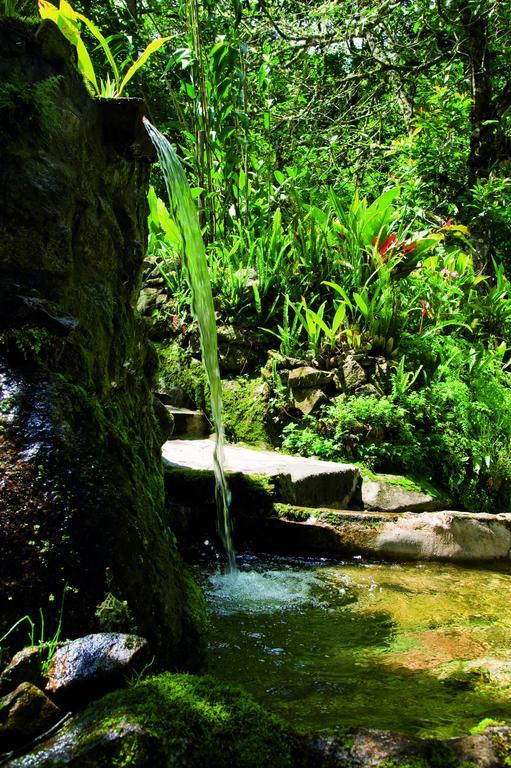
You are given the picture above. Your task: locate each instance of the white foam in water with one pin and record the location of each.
(272, 591)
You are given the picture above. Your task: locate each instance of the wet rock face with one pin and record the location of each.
(94, 662)
(81, 488)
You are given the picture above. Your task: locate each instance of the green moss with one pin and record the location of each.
(200, 722)
(195, 621)
(417, 484)
(178, 368)
(502, 742)
(290, 512)
(436, 756)
(245, 411)
(409, 762)
(244, 406)
(488, 722)
(21, 101)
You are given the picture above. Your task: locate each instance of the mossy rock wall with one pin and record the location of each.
(81, 495)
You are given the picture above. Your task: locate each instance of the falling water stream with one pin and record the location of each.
(184, 213)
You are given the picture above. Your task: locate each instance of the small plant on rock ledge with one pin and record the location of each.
(69, 21)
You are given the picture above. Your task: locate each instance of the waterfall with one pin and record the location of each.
(184, 213)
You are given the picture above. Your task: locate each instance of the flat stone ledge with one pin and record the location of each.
(446, 535)
(308, 482)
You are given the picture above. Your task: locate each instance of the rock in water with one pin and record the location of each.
(447, 535)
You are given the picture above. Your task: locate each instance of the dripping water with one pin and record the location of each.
(184, 213)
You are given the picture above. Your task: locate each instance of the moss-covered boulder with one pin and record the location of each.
(81, 494)
(172, 720)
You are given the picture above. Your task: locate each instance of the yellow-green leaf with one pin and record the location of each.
(85, 64)
(102, 41)
(48, 11)
(151, 48)
(67, 11)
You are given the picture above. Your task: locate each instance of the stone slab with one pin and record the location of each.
(307, 482)
(445, 535)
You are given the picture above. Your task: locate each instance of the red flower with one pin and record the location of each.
(386, 245)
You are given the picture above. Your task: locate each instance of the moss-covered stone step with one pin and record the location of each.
(307, 482)
(188, 424)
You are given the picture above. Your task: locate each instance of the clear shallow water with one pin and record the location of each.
(414, 648)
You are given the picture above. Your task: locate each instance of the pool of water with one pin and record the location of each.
(417, 648)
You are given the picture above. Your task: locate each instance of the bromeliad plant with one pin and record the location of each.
(371, 235)
(69, 22)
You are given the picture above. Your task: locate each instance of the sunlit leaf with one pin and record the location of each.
(151, 48)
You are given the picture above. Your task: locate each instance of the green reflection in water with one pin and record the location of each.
(422, 649)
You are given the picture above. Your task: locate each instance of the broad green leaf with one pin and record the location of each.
(339, 317)
(85, 64)
(102, 41)
(151, 48)
(152, 200)
(190, 90)
(48, 11)
(65, 9)
(361, 304)
(340, 290)
(378, 215)
(168, 224)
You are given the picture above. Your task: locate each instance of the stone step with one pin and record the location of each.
(446, 535)
(295, 480)
(188, 424)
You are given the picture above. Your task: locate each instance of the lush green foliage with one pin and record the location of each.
(453, 422)
(350, 163)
